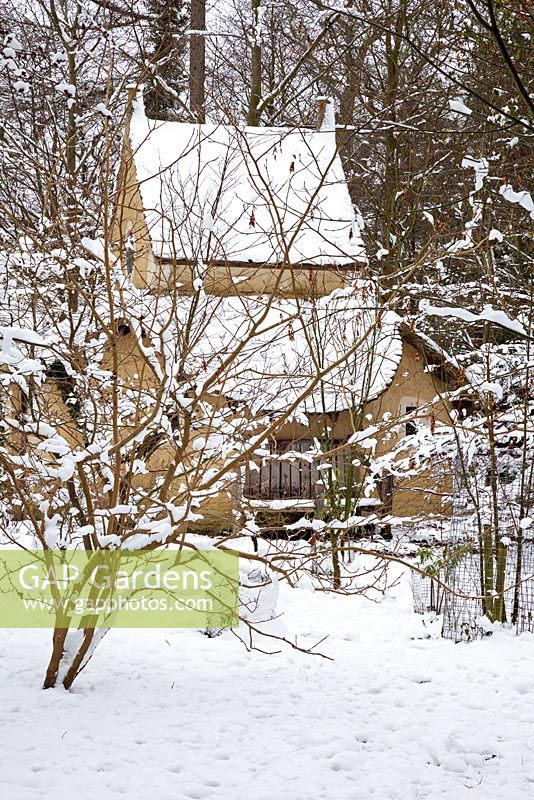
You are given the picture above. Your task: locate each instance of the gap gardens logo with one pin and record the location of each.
(121, 589)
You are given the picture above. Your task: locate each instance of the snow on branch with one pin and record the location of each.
(488, 314)
(524, 198)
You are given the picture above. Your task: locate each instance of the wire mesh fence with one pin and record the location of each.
(488, 559)
(488, 563)
(465, 613)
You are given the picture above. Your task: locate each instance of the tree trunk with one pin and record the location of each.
(253, 117)
(197, 61)
(489, 597)
(58, 645)
(336, 568)
(499, 611)
(390, 240)
(71, 651)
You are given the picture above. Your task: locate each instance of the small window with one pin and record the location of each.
(123, 329)
(411, 425)
(129, 251)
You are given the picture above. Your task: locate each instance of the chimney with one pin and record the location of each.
(135, 103)
(326, 115)
(131, 89)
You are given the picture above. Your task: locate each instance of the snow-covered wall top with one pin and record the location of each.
(255, 195)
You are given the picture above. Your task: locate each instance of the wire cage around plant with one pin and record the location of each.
(428, 594)
(428, 585)
(489, 574)
(465, 613)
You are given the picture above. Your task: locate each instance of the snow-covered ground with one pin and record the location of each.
(173, 715)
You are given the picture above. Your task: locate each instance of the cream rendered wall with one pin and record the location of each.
(426, 493)
(129, 220)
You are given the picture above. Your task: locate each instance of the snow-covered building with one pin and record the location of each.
(259, 223)
(248, 210)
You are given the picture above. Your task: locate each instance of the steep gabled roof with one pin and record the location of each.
(218, 193)
(448, 370)
(280, 346)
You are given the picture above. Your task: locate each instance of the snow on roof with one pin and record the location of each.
(433, 352)
(256, 195)
(285, 344)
